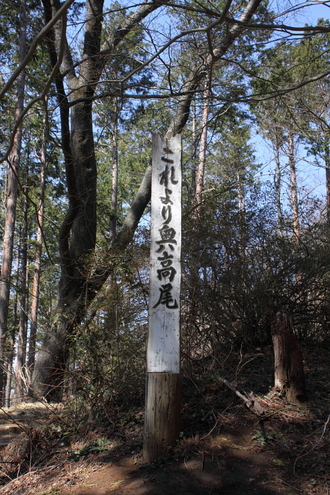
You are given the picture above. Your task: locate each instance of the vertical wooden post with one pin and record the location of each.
(163, 385)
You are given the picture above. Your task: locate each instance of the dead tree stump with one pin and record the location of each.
(289, 377)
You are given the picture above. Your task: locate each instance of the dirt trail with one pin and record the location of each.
(230, 471)
(224, 449)
(224, 464)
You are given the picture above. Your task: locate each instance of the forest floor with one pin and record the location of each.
(224, 448)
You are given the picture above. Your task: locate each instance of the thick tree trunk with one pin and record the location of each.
(78, 286)
(289, 378)
(49, 370)
(78, 231)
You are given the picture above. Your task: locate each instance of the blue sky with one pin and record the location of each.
(309, 176)
(315, 11)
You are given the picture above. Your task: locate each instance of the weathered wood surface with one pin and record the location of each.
(162, 419)
(289, 377)
(163, 354)
(163, 397)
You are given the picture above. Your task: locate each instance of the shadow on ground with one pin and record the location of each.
(224, 464)
(225, 449)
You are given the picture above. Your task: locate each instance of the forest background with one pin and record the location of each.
(83, 90)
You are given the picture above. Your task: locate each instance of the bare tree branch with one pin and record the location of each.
(199, 73)
(34, 45)
(281, 27)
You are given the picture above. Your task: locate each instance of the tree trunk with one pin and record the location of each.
(277, 181)
(23, 320)
(114, 191)
(202, 149)
(11, 347)
(78, 286)
(10, 215)
(241, 200)
(192, 189)
(37, 260)
(289, 378)
(293, 187)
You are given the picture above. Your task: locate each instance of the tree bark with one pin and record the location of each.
(114, 189)
(192, 189)
(202, 149)
(37, 260)
(241, 200)
(293, 187)
(23, 320)
(11, 336)
(278, 183)
(10, 215)
(289, 378)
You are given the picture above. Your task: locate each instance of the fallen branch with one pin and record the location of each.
(251, 401)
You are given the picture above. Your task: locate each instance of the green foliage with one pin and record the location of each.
(262, 437)
(100, 445)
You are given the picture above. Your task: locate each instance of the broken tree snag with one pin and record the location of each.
(289, 377)
(162, 414)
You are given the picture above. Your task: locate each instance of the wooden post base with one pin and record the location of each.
(162, 419)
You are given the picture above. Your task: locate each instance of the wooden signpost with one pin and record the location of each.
(163, 384)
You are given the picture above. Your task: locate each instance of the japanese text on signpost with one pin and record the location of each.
(165, 276)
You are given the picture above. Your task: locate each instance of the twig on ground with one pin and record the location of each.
(290, 486)
(314, 446)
